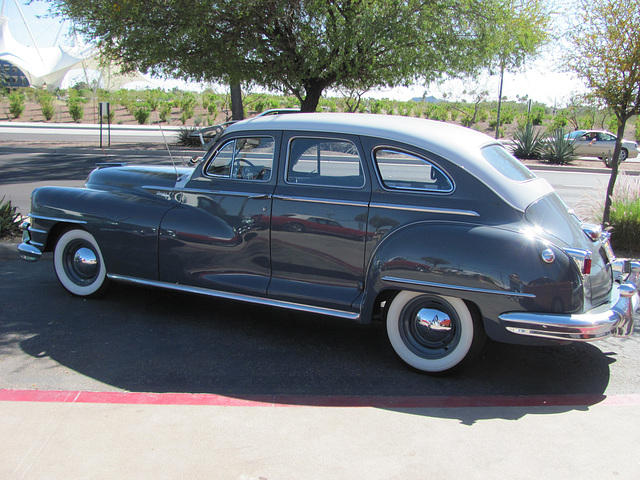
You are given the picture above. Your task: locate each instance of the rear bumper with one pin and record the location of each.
(616, 318)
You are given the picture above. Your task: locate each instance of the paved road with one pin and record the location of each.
(44, 132)
(354, 412)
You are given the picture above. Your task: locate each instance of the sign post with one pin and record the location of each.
(104, 110)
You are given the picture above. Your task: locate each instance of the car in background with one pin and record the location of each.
(598, 143)
(433, 229)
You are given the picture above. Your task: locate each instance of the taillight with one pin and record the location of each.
(582, 259)
(594, 232)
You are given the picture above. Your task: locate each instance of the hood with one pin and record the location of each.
(137, 177)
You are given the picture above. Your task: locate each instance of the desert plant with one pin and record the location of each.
(537, 116)
(76, 110)
(558, 150)
(164, 112)
(46, 105)
(142, 114)
(186, 140)
(527, 143)
(16, 104)
(624, 218)
(9, 219)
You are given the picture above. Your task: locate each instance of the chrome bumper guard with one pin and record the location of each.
(27, 251)
(615, 318)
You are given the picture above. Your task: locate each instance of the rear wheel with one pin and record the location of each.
(433, 333)
(78, 263)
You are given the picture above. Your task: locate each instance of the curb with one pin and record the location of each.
(160, 152)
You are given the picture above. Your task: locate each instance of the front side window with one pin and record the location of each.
(244, 158)
(327, 162)
(401, 170)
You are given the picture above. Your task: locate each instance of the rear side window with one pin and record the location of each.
(327, 162)
(405, 171)
(248, 158)
(506, 164)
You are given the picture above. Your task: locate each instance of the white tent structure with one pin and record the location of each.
(40, 66)
(24, 65)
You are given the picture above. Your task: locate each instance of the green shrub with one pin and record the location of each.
(142, 114)
(9, 219)
(537, 116)
(164, 112)
(76, 110)
(527, 143)
(559, 121)
(46, 105)
(624, 216)
(558, 150)
(16, 104)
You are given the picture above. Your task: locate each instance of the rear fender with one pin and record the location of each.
(494, 268)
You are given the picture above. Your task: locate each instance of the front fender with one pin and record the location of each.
(125, 224)
(496, 268)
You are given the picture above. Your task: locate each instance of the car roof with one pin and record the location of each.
(457, 144)
(438, 137)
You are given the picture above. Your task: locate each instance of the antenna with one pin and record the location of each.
(168, 149)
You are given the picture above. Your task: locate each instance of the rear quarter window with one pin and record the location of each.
(405, 171)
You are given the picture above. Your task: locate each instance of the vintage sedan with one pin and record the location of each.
(601, 144)
(432, 228)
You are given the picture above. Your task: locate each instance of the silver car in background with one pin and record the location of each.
(599, 143)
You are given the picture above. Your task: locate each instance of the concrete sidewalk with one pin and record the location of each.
(75, 440)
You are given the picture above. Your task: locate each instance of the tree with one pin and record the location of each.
(526, 25)
(298, 47)
(607, 58)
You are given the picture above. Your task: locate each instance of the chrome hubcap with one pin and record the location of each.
(85, 262)
(429, 327)
(433, 325)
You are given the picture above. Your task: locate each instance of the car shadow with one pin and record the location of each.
(145, 340)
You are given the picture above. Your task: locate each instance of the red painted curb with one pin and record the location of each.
(131, 398)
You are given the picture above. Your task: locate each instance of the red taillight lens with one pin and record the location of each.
(582, 259)
(586, 269)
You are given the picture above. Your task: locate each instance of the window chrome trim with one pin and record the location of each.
(420, 157)
(414, 208)
(361, 158)
(406, 281)
(237, 296)
(56, 219)
(320, 200)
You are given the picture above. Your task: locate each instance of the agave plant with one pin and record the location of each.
(527, 143)
(186, 140)
(558, 149)
(9, 219)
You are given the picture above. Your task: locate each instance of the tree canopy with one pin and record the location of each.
(606, 56)
(302, 47)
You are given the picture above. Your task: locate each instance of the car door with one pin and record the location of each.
(319, 221)
(219, 237)
(605, 144)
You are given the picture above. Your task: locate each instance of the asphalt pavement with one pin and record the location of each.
(111, 432)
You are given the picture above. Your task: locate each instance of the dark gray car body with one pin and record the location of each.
(347, 245)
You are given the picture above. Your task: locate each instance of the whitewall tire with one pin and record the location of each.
(433, 333)
(78, 263)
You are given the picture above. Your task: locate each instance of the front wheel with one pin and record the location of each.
(79, 265)
(433, 333)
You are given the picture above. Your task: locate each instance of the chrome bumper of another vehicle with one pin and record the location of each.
(615, 318)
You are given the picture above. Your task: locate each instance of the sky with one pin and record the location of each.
(539, 82)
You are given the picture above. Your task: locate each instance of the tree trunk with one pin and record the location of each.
(237, 109)
(614, 172)
(312, 98)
